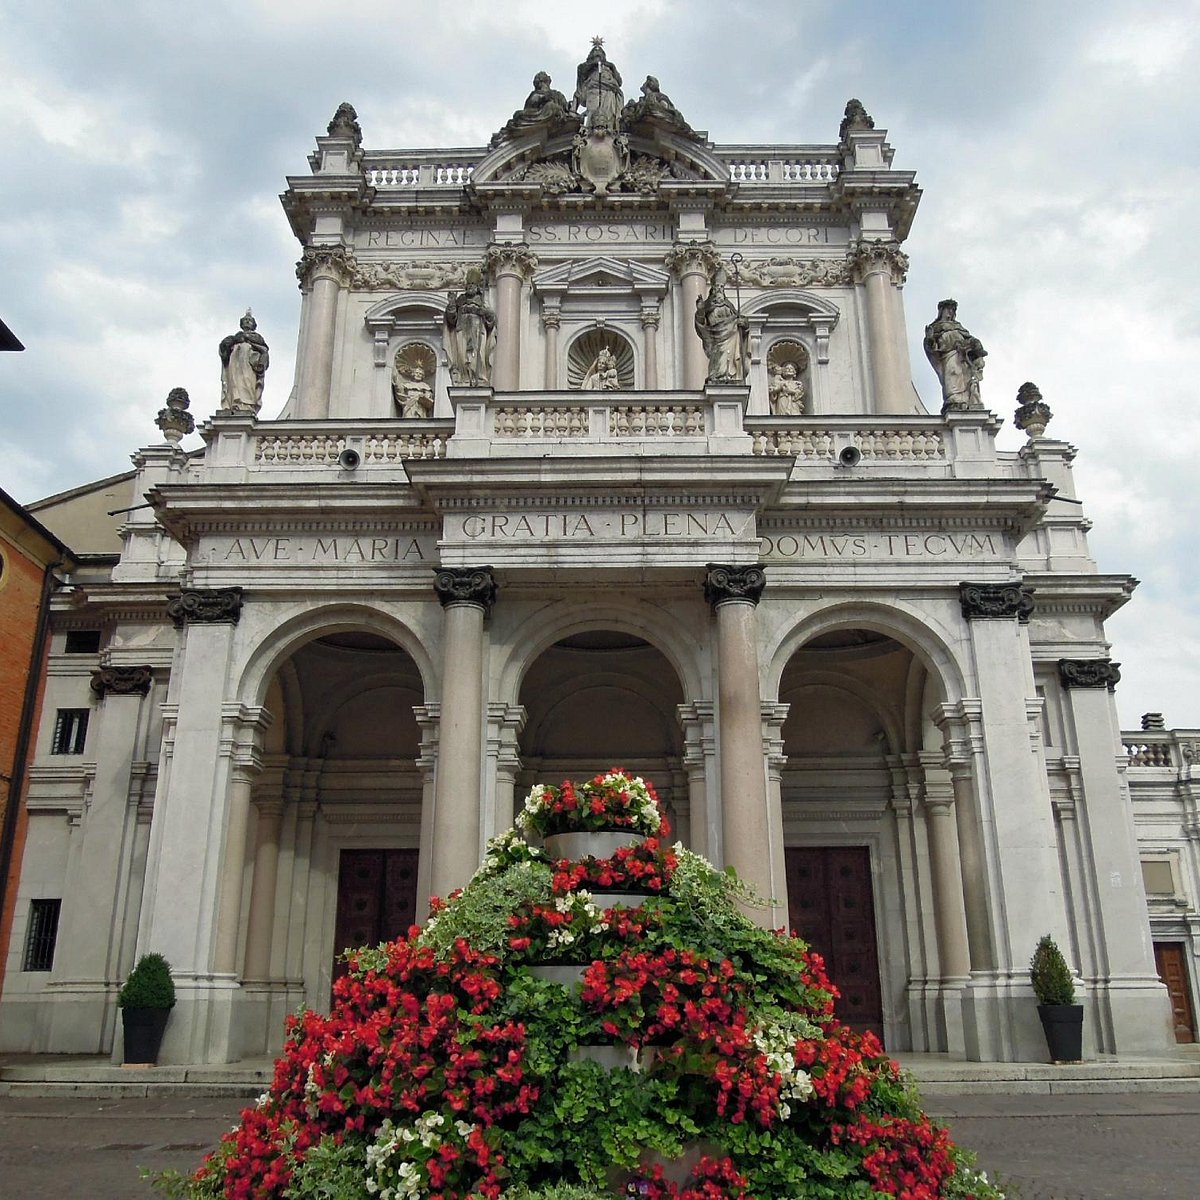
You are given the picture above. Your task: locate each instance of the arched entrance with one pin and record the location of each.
(859, 718)
(600, 699)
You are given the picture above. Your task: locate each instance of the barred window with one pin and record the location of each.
(83, 641)
(70, 731)
(42, 934)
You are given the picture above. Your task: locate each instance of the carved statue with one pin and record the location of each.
(543, 106)
(602, 376)
(785, 390)
(724, 333)
(956, 357)
(412, 391)
(470, 335)
(244, 362)
(655, 105)
(598, 90)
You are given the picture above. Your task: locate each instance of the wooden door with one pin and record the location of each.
(1171, 962)
(377, 899)
(831, 905)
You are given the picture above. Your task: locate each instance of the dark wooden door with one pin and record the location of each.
(1171, 962)
(831, 906)
(377, 899)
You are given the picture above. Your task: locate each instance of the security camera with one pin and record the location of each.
(349, 459)
(849, 456)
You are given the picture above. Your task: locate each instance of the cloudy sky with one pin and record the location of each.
(1055, 143)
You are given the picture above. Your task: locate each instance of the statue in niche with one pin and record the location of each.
(785, 390)
(956, 357)
(724, 333)
(655, 105)
(470, 334)
(543, 106)
(602, 375)
(598, 90)
(411, 388)
(244, 362)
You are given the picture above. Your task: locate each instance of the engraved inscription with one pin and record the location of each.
(849, 546)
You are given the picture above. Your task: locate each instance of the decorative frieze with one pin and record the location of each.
(122, 681)
(391, 276)
(205, 606)
(513, 258)
(865, 257)
(784, 271)
(989, 601)
(466, 585)
(1089, 673)
(330, 262)
(725, 583)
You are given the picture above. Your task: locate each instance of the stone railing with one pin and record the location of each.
(1149, 754)
(425, 439)
(763, 164)
(1171, 748)
(890, 441)
(414, 168)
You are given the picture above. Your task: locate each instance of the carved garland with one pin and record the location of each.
(988, 601)
(427, 276)
(205, 606)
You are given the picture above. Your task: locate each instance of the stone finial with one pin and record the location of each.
(1153, 722)
(345, 123)
(1033, 413)
(855, 120)
(174, 420)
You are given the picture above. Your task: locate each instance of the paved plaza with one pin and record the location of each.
(1083, 1147)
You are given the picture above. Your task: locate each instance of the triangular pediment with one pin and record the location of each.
(601, 271)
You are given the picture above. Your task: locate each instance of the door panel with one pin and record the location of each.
(1171, 962)
(377, 899)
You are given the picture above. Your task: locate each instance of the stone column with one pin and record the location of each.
(749, 842)
(773, 717)
(1138, 1011)
(508, 266)
(467, 595)
(693, 264)
(704, 826)
(505, 722)
(245, 769)
(946, 868)
(650, 316)
(261, 921)
(428, 721)
(323, 272)
(551, 323)
(881, 267)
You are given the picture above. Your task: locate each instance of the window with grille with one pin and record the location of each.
(42, 934)
(83, 641)
(70, 731)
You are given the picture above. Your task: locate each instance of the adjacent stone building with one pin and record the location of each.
(602, 449)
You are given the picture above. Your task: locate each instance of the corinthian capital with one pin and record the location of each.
(1089, 673)
(722, 584)
(465, 585)
(326, 262)
(687, 258)
(122, 681)
(867, 257)
(509, 258)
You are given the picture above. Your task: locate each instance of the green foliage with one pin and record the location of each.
(149, 985)
(331, 1171)
(1050, 975)
(556, 1191)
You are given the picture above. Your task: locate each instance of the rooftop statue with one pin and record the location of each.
(470, 335)
(654, 107)
(544, 106)
(956, 356)
(598, 90)
(724, 333)
(244, 362)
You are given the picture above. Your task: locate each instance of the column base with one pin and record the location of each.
(205, 1024)
(264, 1006)
(68, 1019)
(1129, 1014)
(1000, 1020)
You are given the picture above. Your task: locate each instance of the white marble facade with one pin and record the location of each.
(845, 629)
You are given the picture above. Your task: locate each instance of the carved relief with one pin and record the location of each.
(1089, 673)
(601, 166)
(466, 585)
(205, 606)
(426, 275)
(122, 681)
(600, 361)
(722, 583)
(787, 365)
(985, 601)
(797, 272)
(412, 374)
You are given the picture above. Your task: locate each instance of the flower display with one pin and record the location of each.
(447, 1069)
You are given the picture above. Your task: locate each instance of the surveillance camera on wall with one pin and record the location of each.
(849, 456)
(349, 459)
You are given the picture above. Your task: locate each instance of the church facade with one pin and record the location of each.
(602, 450)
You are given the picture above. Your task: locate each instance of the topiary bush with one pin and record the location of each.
(1051, 977)
(697, 1057)
(149, 985)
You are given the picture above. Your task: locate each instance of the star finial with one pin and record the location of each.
(597, 43)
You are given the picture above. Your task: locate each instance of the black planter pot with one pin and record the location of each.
(144, 1028)
(1063, 1027)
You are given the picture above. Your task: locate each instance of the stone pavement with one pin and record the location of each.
(1053, 1147)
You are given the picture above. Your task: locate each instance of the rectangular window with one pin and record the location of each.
(42, 934)
(1158, 877)
(70, 731)
(83, 641)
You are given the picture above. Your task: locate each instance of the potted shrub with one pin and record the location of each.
(145, 1002)
(1062, 1018)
